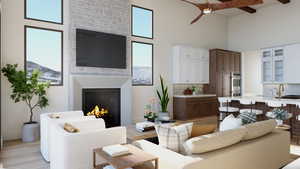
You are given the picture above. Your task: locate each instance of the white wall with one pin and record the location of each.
(14, 115)
(251, 73)
(172, 26)
(270, 26)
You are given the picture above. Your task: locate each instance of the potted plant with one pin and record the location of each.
(150, 114)
(30, 91)
(163, 100)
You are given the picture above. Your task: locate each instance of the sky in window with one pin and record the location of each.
(142, 22)
(44, 48)
(46, 10)
(142, 54)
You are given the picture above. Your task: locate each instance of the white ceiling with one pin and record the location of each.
(232, 12)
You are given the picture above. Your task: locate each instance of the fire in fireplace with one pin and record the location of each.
(107, 98)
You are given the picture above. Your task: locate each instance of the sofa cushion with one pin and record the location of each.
(230, 122)
(214, 141)
(173, 137)
(259, 129)
(202, 129)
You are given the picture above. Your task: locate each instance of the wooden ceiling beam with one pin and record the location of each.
(284, 1)
(247, 8)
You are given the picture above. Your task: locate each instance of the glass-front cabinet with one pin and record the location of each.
(273, 65)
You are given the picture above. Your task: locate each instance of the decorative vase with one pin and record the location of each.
(279, 122)
(30, 132)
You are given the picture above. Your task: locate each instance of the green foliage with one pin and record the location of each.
(163, 96)
(26, 88)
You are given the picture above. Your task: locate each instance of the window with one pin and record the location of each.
(44, 51)
(142, 22)
(44, 10)
(142, 63)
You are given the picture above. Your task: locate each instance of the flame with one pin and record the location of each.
(97, 112)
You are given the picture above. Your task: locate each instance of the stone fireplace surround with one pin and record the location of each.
(79, 82)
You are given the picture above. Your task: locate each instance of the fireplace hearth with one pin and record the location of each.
(108, 98)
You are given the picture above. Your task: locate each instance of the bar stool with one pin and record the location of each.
(249, 104)
(225, 108)
(296, 124)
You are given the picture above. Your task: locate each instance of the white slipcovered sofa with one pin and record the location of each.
(47, 122)
(75, 150)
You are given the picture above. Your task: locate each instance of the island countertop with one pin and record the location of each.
(265, 99)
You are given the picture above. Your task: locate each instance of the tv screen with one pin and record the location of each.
(97, 49)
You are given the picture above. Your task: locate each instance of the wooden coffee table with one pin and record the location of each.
(137, 159)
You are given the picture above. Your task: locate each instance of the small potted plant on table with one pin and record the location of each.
(164, 99)
(30, 91)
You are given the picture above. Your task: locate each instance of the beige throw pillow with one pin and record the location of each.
(173, 137)
(259, 129)
(214, 141)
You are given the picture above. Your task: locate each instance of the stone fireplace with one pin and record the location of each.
(111, 92)
(104, 98)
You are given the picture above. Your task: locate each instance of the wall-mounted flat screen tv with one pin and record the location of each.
(97, 49)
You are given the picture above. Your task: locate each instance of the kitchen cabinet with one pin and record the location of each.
(273, 65)
(222, 64)
(191, 108)
(190, 65)
(292, 64)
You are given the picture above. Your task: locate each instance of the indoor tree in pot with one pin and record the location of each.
(163, 100)
(30, 91)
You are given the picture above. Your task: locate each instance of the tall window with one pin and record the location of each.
(142, 60)
(142, 22)
(43, 51)
(44, 10)
(142, 52)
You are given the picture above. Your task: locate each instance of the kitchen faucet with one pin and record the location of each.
(280, 90)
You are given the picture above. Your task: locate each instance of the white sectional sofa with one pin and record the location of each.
(47, 122)
(267, 152)
(75, 150)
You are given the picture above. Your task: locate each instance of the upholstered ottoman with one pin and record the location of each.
(293, 165)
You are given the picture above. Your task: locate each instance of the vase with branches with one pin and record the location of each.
(164, 99)
(27, 89)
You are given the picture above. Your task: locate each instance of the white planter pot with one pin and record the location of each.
(164, 116)
(30, 132)
(279, 122)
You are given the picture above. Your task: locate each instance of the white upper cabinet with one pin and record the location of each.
(292, 64)
(273, 65)
(190, 65)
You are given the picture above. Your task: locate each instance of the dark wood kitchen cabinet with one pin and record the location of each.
(222, 64)
(197, 107)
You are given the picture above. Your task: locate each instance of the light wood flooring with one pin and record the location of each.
(18, 155)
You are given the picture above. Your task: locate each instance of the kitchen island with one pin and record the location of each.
(265, 100)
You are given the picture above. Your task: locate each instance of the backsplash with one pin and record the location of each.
(179, 88)
(290, 89)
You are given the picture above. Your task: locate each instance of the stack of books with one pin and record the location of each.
(116, 150)
(145, 126)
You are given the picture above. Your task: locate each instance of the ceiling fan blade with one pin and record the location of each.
(198, 17)
(234, 4)
(198, 5)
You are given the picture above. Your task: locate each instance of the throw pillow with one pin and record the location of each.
(173, 137)
(247, 117)
(202, 129)
(230, 122)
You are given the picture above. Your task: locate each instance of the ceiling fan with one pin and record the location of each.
(207, 8)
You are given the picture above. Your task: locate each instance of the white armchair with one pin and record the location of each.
(47, 122)
(75, 150)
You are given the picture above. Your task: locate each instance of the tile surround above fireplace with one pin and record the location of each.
(79, 82)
